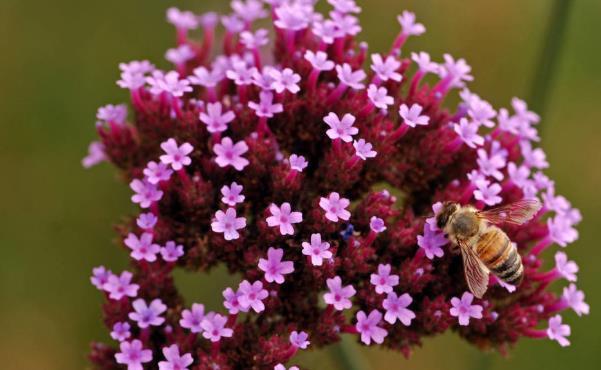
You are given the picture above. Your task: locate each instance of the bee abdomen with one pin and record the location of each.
(500, 256)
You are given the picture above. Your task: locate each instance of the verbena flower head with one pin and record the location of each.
(267, 155)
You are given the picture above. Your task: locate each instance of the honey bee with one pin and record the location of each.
(485, 248)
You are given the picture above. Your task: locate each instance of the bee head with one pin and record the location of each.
(445, 213)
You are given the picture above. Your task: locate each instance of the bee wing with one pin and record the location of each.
(476, 274)
(515, 213)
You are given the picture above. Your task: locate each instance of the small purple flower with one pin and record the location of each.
(180, 55)
(297, 162)
(364, 149)
(432, 241)
(464, 310)
(147, 315)
(215, 119)
(95, 155)
(292, 16)
(116, 114)
(383, 280)
(249, 10)
(213, 326)
(285, 80)
(252, 295)
(575, 299)
(171, 252)
(488, 193)
(490, 165)
(206, 78)
(350, 78)
(241, 73)
(232, 194)
(481, 111)
(254, 40)
(342, 129)
(368, 327)
(265, 107)
(169, 83)
(284, 218)
(274, 267)
(468, 132)
(319, 60)
(566, 268)
(338, 296)
(558, 331)
(377, 224)
(100, 276)
(142, 248)
(232, 23)
(386, 69)
(121, 331)
(412, 116)
(192, 318)
(157, 172)
(425, 65)
(282, 367)
(228, 223)
(533, 158)
(185, 20)
(146, 221)
(317, 249)
(335, 207)
(327, 31)
(518, 175)
(346, 24)
(232, 301)
(119, 286)
(133, 74)
(263, 79)
(174, 360)
(455, 72)
(230, 154)
(561, 230)
(146, 193)
(379, 97)
(396, 308)
(299, 339)
(133, 355)
(408, 24)
(345, 6)
(176, 156)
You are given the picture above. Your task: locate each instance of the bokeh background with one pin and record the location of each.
(58, 63)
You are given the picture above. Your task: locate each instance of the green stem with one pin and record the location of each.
(347, 355)
(549, 57)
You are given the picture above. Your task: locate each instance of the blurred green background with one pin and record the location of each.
(58, 63)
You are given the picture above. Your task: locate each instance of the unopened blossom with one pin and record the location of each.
(213, 326)
(297, 162)
(175, 361)
(396, 308)
(317, 249)
(364, 149)
(273, 267)
(116, 114)
(409, 25)
(384, 281)
(299, 339)
(285, 80)
(232, 301)
(215, 119)
(252, 295)
(148, 314)
(228, 223)
(100, 276)
(432, 241)
(177, 156)
(468, 132)
(232, 194)
(349, 77)
(284, 217)
(119, 286)
(379, 97)
(412, 116)
(488, 193)
(335, 207)
(230, 154)
(171, 252)
(386, 69)
(464, 310)
(95, 155)
(368, 327)
(377, 225)
(338, 295)
(566, 268)
(142, 247)
(169, 83)
(180, 55)
(157, 172)
(266, 107)
(192, 318)
(574, 298)
(133, 355)
(319, 60)
(342, 129)
(558, 331)
(182, 19)
(121, 331)
(253, 40)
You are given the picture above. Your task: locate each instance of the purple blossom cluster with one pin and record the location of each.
(269, 158)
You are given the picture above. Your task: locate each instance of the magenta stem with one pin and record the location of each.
(337, 93)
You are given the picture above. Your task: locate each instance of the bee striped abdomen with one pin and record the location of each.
(500, 256)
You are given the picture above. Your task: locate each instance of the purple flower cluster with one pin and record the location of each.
(272, 164)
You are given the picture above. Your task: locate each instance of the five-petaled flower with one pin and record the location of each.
(384, 281)
(147, 314)
(338, 295)
(192, 318)
(342, 129)
(396, 308)
(133, 355)
(335, 207)
(284, 217)
(368, 327)
(463, 309)
(228, 223)
(175, 361)
(317, 250)
(274, 267)
(213, 326)
(230, 154)
(252, 295)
